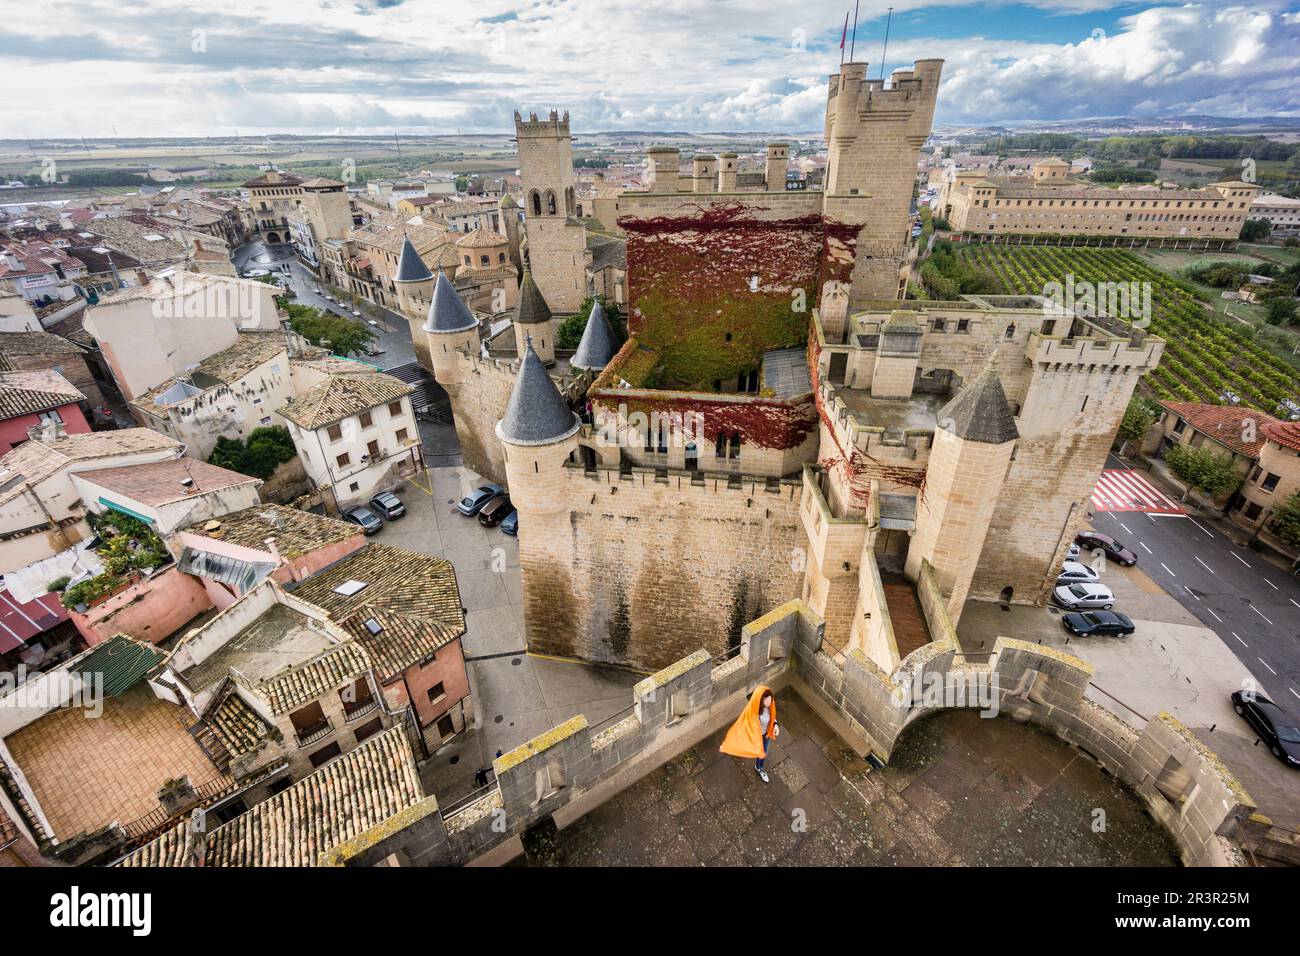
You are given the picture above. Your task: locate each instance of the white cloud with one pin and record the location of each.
(669, 64)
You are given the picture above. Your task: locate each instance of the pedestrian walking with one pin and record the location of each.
(751, 735)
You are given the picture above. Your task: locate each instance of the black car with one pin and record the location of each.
(1094, 623)
(388, 505)
(1273, 725)
(495, 510)
(1095, 541)
(369, 521)
(473, 503)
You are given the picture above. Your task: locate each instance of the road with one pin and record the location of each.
(1253, 605)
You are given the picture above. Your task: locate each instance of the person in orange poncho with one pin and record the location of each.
(752, 733)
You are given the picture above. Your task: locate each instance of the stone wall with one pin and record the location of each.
(642, 567)
(477, 405)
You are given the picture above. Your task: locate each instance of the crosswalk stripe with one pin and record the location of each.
(1123, 490)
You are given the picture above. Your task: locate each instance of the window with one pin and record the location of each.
(354, 486)
(325, 754)
(437, 692)
(343, 460)
(446, 726)
(1270, 481)
(394, 408)
(401, 434)
(937, 325)
(1253, 511)
(264, 421)
(334, 432)
(369, 729)
(734, 450)
(365, 419)
(372, 449)
(1180, 426)
(484, 261)
(51, 416)
(963, 325)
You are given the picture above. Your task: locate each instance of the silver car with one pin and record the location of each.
(1075, 596)
(1074, 572)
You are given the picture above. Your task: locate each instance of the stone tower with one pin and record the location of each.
(597, 345)
(539, 434)
(509, 210)
(449, 330)
(412, 278)
(776, 165)
(873, 135)
(532, 321)
(557, 243)
(969, 461)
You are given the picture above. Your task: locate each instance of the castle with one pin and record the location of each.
(779, 423)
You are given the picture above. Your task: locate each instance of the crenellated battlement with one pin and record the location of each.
(556, 124)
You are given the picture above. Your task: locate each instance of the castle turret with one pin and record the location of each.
(704, 173)
(449, 328)
(538, 434)
(778, 162)
(968, 465)
(665, 165)
(412, 279)
(727, 172)
(532, 321)
(597, 345)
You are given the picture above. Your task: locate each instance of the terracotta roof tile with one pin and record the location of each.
(1226, 424)
(159, 482)
(296, 532)
(26, 393)
(341, 396)
(305, 682)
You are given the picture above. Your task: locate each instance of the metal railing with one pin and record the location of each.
(359, 709)
(314, 733)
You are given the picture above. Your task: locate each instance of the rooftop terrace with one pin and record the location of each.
(280, 638)
(958, 791)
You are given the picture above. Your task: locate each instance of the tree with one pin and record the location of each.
(462, 183)
(1138, 417)
(1253, 230)
(266, 449)
(342, 336)
(570, 332)
(1285, 522)
(1280, 311)
(1203, 469)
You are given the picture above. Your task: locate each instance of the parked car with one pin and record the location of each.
(510, 523)
(1271, 722)
(1093, 541)
(1094, 623)
(1075, 596)
(369, 521)
(1072, 552)
(388, 505)
(496, 509)
(473, 503)
(1072, 572)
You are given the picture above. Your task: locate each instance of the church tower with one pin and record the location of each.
(557, 242)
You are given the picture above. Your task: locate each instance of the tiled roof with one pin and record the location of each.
(536, 414)
(35, 258)
(159, 482)
(321, 182)
(131, 234)
(410, 267)
(481, 238)
(302, 683)
(447, 310)
(226, 367)
(1226, 424)
(343, 799)
(38, 459)
(341, 396)
(34, 344)
(274, 177)
(1286, 434)
(25, 393)
(411, 597)
(237, 725)
(296, 532)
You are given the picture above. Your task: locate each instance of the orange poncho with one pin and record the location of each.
(745, 738)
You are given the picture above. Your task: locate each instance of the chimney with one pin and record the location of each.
(275, 552)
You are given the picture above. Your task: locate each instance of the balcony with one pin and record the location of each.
(358, 709)
(318, 731)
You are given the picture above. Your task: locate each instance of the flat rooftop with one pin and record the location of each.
(920, 412)
(279, 638)
(960, 791)
(88, 772)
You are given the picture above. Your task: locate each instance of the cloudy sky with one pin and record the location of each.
(181, 67)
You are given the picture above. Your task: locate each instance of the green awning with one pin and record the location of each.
(126, 511)
(121, 661)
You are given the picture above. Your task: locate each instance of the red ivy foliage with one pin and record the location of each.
(765, 423)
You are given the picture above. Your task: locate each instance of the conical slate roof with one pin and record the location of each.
(597, 345)
(410, 267)
(980, 412)
(447, 310)
(531, 309)
(536, 414)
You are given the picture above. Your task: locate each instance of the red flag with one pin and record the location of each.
(845, 31)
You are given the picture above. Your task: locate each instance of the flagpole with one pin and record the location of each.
(886, 49)
(844, 33)
(854, 41)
